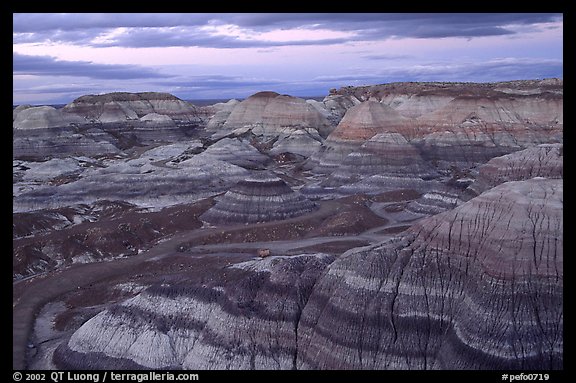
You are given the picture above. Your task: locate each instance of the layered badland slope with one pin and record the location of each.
(394, 226)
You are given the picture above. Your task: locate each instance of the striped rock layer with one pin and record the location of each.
(437, 198)
(44, 131)
(243, 316)
(478, 287)
(360, 123)
(473, 130)
(260, 198)
(450, 123)
(544, 160)
(114, 107)
(386, 161)
(102, 124)
(139, 182)
(267, 113)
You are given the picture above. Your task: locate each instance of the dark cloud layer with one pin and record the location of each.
(367, 63)
(163, 30)
(49, 66)
(183, 37)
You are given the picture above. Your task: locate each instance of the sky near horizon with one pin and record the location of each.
(59, 57)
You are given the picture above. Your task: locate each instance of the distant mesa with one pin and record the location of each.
(265, 94)
(261, 197)
(121, 106)
(550, 87)
(451, 123)
(125, 97)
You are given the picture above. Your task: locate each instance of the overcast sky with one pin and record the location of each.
(58, 57)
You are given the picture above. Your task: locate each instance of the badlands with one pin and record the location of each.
(401, 226)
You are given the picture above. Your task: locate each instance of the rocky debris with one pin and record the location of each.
(544, 160)
(30, 175)
(263, 253)
(166, 153)
(52, 238)
(478, 287)
(262, 197)
(147, 181)
(244, 316)
(51, 169)
(334, 106)
(221, 112)
(46, 220)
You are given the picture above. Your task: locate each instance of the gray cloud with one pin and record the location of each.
(41, 22)
(31, 22)
(224, 87)
(215, 82)
(49, 66)
(185, 30)
(54, 89)
(184, 37)
(387, 57)
(162, 30)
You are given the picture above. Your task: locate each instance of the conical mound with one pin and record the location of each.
(259, 198)
(369, 118)
(269, 114)
(360, 123)
(385, 162)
